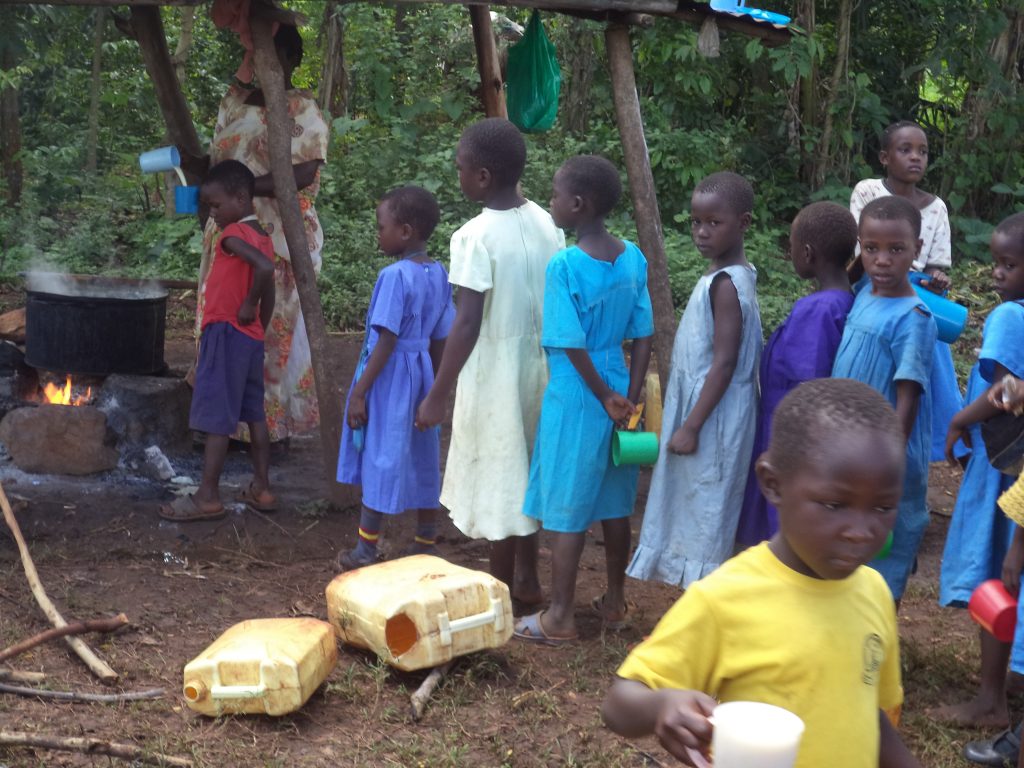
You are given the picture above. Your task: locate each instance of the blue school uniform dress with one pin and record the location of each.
(694, 504)
(888, 340)
(596, 305)
(399, 466)
(802, 348)
(979, 533)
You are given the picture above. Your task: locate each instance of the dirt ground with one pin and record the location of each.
(101, 549)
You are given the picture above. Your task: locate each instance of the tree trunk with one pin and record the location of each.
(641, 187)
(148, 30)
(10, 131)
(805, 121)
(580, 57)
(181, 51)
(492, 87)
(95, 84)
(279, 137)
(825, 153)
(334, 78)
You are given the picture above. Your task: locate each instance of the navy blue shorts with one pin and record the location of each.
(229, 381)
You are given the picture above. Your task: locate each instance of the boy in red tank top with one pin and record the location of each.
(229, 374)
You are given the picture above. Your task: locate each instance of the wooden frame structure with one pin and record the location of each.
(147, 27)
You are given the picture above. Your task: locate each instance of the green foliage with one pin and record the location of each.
(413, 86)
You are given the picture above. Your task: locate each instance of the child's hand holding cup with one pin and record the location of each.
(1008, 394)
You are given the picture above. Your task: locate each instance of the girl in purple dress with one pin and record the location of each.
(410, 314)
(821, 242)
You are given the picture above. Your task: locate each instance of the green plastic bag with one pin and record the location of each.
(534, 80)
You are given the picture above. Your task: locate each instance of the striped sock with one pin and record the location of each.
(426, 531)
(369, 534)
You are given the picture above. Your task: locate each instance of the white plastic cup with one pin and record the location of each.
(159, 160)
(749, 733)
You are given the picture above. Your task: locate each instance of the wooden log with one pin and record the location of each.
(421, 695)
(148, 30)
(96, 665)
(16, 676)
(90, 747)
(492, 87)
(279, 138)
(75, 628)
(641, 188)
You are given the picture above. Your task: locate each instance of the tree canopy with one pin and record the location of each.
(800, 120)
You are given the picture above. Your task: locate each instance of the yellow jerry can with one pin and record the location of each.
(419, 611)
(261, 666)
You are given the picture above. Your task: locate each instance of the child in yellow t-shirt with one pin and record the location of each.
(798, 621)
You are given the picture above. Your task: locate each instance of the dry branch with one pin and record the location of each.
(103, 698)
(96, 665)
(91, 747)
(75, 628)
(421, 695)
(15, 676)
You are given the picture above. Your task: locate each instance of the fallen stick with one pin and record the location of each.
(15, 676)
(96, 665)
(103, 698)
(75, 628)
(421, 695)
(90, 746)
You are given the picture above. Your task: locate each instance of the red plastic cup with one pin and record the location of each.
(994, 609)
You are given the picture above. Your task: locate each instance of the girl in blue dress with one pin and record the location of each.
(410, 313)
(710, 416)
(595, 298)
(888, 343)
(978, 544)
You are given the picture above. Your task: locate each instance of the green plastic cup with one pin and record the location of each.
(886, 548)
(634, 447)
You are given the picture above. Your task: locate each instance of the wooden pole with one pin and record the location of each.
(148, 30)
(492, 87)
(96, 665)
(90, 746)
(641, 188)
(279, 138)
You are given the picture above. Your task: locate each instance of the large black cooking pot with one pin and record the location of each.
(94, 326)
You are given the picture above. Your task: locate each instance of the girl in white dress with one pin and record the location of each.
(498, 262)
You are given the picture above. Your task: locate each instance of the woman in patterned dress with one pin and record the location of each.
(241, 134)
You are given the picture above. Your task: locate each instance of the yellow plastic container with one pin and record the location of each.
(653, 409)
(261, 666)
(419, 611)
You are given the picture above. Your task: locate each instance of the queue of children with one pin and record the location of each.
(534, 348)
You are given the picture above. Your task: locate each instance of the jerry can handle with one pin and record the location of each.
(237, 691)
(218, 691)
(495, 615)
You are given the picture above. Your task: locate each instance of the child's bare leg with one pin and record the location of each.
(616, 556)
(214, 453)
(566, 550)
(259, 453)
(526, 582)
(988, 708)
(503, 561)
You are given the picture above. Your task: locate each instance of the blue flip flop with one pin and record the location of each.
(530, 629)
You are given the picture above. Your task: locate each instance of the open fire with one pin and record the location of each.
(57, 395)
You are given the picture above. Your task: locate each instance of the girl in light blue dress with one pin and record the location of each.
(710, 412)
(595, 298)
(978, 544)
(888, 343)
